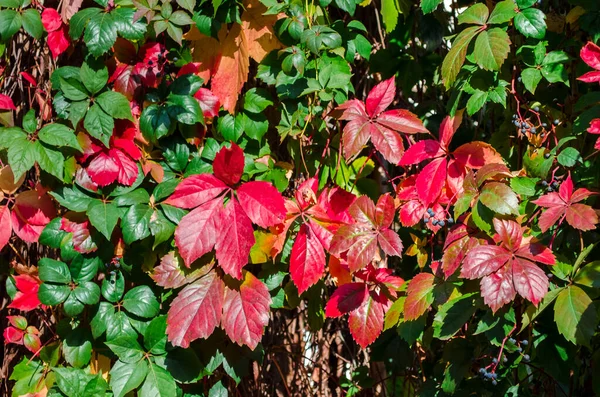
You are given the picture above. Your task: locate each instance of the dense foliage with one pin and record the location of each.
(289, 198)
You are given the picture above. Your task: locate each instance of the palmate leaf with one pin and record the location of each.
(455, 58)
(419, 296)
(575, 315)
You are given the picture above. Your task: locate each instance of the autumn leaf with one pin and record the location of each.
(226, 61)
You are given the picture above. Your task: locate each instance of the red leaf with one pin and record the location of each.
(228, 165)
(401, 120)
(82, 241)
(477, 154)
(497, 288)
(246, 311)
(360, 242)
(13, 335)
(529, 280)
(103, 169)
(30, 214)
(366, 322)
(537, 252)
(431, 180)
(590, 54)
(422, 150)
(128, 170)
(387, 142)
(380, 97)
(449, 127)
(418, 295)
(411, 213)
(263, 204)
(196, 311)
(168, 274)
(5, 226)
(29, 78)
(509, 233)
(550, 200)
(26, 298)
(58, 41)
(32, 342)
(385, 211)
(124, 138)
(196, 190)
(346, 298)
(356, 135)
(209, 102)
(581, 216)
(483, 260)
(197, 231)
(6, 103)
(51, 20)
(235, 238)
(590, 77)
(307, 260)
(390, 242)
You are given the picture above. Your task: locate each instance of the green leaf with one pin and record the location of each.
(115, 105)
(28, 376)
(103, 216)
(187, 4)
(100, 33)
(589, 275)
(500, 198)
(73, 198)
(32, 23)
(218, 390)
(10, 23)
(126, 348)
(568, 157)
(257, 100)
(158, 383)
(456, 56)
(99, 124)
(531, 78)
(502, 13)
(231, 127)
(429, 5)
(161, 228)
(51, 270)
(30, 122)
(141, 302)
(452, 315)
(575, 315)
(59, 135)
(491, 49)
(52, 235)
(84, 269)
(125, 377)
(53, 294)
(87, 293)
(126, 28)
(135, 223)
(531, 23)
(523, 185)
(188, 84)
(77, 347)
(94, 75)
(137, 196)
(119, 325)
(73, 306)
(522, 4)
(319, 37)
(155, 122)
(155, 337)
(49, 160)
(389, 14)
(21, 157)
(113, 287)
(477, 14)
(77, 111)
(476, 101)
(71, 381)
(79, 21)
(184, 109)
(73, 89)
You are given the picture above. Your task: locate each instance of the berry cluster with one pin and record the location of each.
(437, 222)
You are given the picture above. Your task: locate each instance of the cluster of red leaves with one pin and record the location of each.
(26, 298)
(117, 163)
(566, 205)
(78, 225)
(367, 301)
(590, 54)
(58, 37)
(508, 267)
(21, 334)
(370, 121)
(227, 228)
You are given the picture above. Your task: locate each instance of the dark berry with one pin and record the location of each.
(482, 371)
(526, 357)
(544, 125)
(546, 155)
(554, 185)
(150, 62)
(495, 360)
(542, 134)
(550, 190)
(544, 183)
(494, 382)
(537, 108)
(516, 122)
(549, 275)
(556, 122)
(532, 130)
(175, 59)
(450, 221)
(434, 222)
(519, 349)
(488, 375)
(505, 359)
(494, 376)
(519, 79)
(512, 340)
(524, 342)
(430, 212)
(426, 220)
(442, 223)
